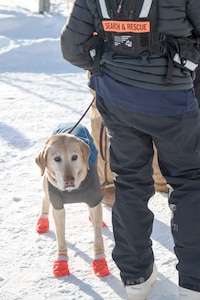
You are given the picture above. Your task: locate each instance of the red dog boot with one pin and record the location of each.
(60, 266)
(43, 224)
(100, 267)
(103, 223)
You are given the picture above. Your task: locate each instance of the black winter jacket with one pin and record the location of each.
(178, 18)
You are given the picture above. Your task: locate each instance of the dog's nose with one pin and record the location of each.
(69, 181)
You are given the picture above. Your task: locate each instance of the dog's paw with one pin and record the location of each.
(100, 267)
(42, 225)
(103, 223)
(60, 268)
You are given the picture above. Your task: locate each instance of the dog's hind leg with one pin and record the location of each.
(99, 263)
(43, 221)
(60, 266)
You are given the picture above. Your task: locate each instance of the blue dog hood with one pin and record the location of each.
(82, 133)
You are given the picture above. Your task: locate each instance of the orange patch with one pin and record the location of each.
(126, 26)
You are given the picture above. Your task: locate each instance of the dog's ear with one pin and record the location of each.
(41, 158)
(86, 153)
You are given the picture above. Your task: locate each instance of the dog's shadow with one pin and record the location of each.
(106, 231)
(88, 289)
(112, 281)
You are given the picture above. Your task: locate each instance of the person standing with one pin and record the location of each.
(146, 96)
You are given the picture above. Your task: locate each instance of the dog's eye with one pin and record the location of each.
(57, 158)
(74, 157)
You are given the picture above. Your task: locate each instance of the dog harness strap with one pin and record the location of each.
(63, 257)
(99, 255)
(44, 216)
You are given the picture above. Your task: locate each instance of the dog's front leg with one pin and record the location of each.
(99, 263)
(43, 221)
(59, 220)
(60, 266)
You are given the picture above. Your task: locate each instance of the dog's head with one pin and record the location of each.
(64, 160)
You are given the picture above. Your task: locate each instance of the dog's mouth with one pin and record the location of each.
(69, 189)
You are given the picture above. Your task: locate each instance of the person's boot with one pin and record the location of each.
(140, 291)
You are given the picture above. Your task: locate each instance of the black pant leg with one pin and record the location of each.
(131, 155)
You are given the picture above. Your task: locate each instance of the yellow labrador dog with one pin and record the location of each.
(68, 166)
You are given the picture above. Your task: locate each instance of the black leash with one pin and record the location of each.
(70, 131)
